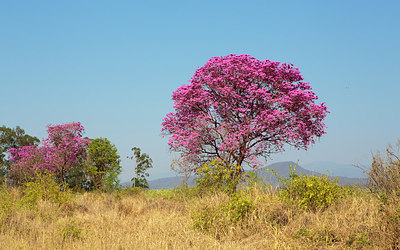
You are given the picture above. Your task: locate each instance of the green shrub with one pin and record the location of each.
(215, 175)
(44, 187)
(238, 208)
(309, 192)
(216, 218)
(206, 218)
(253, 180)
(312, 192)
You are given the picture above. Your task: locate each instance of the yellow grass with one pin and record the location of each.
(165, 220)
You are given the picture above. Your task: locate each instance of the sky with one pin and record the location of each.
(113, 65)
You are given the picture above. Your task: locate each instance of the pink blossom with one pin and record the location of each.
(238, 108)
(63, 149)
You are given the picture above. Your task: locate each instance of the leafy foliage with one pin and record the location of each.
(62, 153)
(309, 192)
(66, 148)
(12, 138)
(25, 162)
(253, 180)
(216, 175)
(205, 218)
(44, 187)
(103, 164)
(143, 163)
(238, 208)
(230, 212)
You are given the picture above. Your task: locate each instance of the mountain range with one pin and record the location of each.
(283, 169)
(335, 169)
(347, 174)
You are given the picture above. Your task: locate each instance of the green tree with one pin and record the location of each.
(12, 138)
(143, 162)
(103, 164)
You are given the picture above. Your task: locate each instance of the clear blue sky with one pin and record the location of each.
(113, 65)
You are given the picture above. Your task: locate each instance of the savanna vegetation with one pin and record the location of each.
(305, 213)
(64, 193)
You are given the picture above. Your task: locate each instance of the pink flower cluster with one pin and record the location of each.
(63, 149)
(238, 108)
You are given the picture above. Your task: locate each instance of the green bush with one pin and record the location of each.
(215, 175)
(216, 218)
(253, 180)
(238, 208)
(44, 187)
(309, 192)
(206, 218)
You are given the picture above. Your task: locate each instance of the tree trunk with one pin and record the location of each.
(236, 176)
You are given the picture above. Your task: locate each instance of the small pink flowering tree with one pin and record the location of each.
(66, 148)
(63, 150)
(26, 161)
(237, 109)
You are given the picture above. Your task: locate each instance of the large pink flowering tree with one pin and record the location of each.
(238, 108)
(63, 150)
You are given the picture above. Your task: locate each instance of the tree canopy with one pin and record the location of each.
(143, 163)
(62, 151)
(14, 138)
(103, 163)
(238, 108)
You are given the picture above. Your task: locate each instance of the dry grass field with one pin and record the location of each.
(255, 218)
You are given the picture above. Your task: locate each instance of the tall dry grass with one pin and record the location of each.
(137, 219)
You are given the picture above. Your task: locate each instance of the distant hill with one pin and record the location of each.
(165, 183)
(170, 182)
(336, 169)
(282, 168)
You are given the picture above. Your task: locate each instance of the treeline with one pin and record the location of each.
(72, 160)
